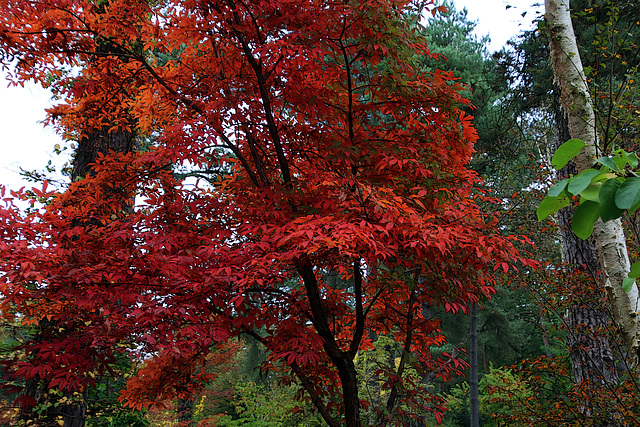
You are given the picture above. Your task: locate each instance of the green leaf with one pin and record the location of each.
(581, 181)
(635, 270)
(413, 358)
(607, 199)
(629, 158)
(620, 162)
(584, 217)
(551, 205)
(557, 188)
(608, 162)
(629, 193)
(627, 284)
(566, 152)
(592, 192)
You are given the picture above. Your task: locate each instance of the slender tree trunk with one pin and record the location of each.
(342, 360)
(474, 402)
(185, 412)
(609, 237)
(545, 336)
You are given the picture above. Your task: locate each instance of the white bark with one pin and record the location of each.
(610, 240)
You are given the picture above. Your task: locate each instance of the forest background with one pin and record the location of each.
(530, 350)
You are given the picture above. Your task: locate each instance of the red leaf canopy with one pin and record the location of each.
(332, 199)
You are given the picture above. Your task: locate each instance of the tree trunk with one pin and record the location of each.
(590, 347)
(609, 237)
(342, 360)
(185, 412)
(545, 336)
(100, 141)
(474, 402)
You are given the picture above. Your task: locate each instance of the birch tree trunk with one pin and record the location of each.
(609, 237)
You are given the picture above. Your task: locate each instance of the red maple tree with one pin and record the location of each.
(321, 149)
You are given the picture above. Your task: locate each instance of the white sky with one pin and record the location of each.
(25, 143)
(493, 17)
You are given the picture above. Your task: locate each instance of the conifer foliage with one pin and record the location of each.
(320, 149)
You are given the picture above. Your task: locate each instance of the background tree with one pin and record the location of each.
(116, 136)
(576, 100)
(505, 160)
(589, 333)
(533, 85)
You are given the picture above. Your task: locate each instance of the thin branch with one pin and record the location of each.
(357, 287)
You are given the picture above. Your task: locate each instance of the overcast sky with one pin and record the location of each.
(501, 19)
(25, 143)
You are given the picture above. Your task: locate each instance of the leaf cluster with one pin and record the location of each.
(605, 192)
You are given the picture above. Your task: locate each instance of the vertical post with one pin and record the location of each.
(474, 404)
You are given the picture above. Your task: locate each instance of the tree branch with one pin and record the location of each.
(357, 287)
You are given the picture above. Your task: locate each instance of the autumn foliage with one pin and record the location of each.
(314, 147)
(544, 389)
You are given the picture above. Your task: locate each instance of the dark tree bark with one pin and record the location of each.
(72, 413)
(343, 360)
(100, 142)
(591, 353)
(545, 336)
